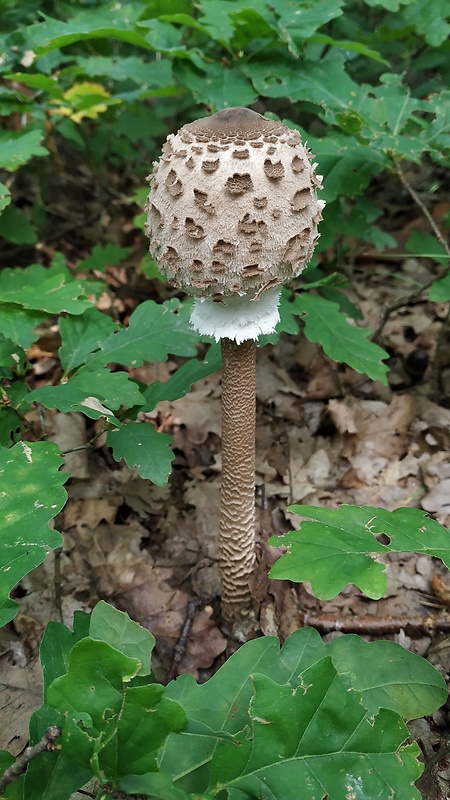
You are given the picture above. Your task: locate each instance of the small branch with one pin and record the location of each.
(404, 301)
(422, 206)
(436, 757)
(17, 769)
(417, 626)
(180, 646)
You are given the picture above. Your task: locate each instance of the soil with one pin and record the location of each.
(326, 435)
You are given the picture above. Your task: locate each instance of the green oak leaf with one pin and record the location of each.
(141, 446)
(31, 495)
(111, 727)
(340, 340)
(339, 546)
(81, 335)
(50, 289)
(117, 629)
(153, 332)
(16, 148)
(95, 391)
(295, 740)
(221, 712)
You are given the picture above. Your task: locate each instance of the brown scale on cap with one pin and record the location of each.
(213, 174)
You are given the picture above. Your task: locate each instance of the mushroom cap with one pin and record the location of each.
(233, 206)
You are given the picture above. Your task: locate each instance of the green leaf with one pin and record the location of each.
(341, 341)
(10, 354)
(345, 44)
(296, 24)
(19, 324)
(102, 257)
(31, 495)
(431, 19)
(156, 785)
(340, 546)
(37, 81)
(15, 227)
(95, 391)
(16, 148)
(111, 727)
(10, 422)
(316, 693)
(141, 446)
(57, 642)
(5, 196)
(294, 741)
(400, 681)
(439, 291)
(50, 289)
(217, 86)
(349, 165)
(114, 627)
(427, 246)
(307, 81)
(180, 382)
(81, 335)
(130, 68)
(153, 332)
(392, 104)
(96, 23)
(51, 776)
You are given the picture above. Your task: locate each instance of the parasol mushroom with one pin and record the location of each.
(232, 215)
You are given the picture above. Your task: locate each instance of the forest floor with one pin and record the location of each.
(326, 435)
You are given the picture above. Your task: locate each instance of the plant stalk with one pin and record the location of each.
(237, 516)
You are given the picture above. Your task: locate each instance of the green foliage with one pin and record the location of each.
(141, 446)
(88, 93)
(340, 546)
(265, 721)
(32, 494)
(340, 340)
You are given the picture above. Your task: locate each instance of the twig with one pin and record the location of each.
(422, 206)
(404, 301)
(180, 646)
(377, 625)
(437, 757)
(46, 744)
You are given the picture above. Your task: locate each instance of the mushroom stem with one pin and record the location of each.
(237, 518)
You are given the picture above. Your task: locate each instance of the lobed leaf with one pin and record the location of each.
(31, 495)
(17, 148)
(180, 382)
(82, 335)
(95, 391)
(270, 720)
(50, 289)
(114, 627)
(340, 340)
(5, 197)
(111, 727)
(295, 740)
(153, 332)
(18, 324)
(340, 546)
(142, 446)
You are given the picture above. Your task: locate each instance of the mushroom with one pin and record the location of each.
(232, 215)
